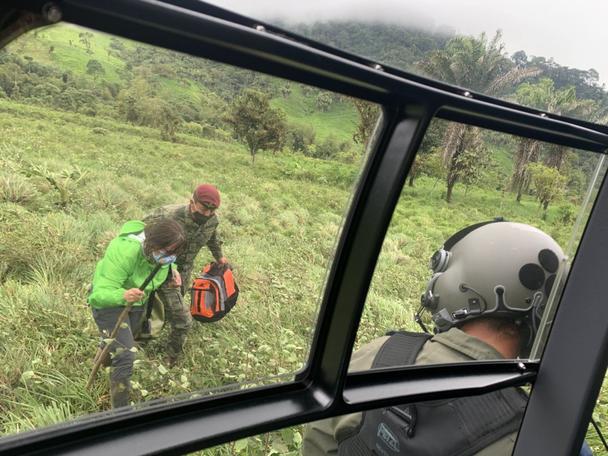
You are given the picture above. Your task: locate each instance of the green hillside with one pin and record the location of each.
(173, 77)
(69, 52)
(340, 120)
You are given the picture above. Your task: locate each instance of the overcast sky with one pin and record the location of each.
(575, 34)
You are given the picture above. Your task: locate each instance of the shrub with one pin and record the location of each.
(301, 137)
(192, 128)
(16, 189)
(328, 149)
(566, 214)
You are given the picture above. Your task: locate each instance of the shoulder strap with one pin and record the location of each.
(400, 349)
(150, 304)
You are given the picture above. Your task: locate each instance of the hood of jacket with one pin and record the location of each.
(131, 227)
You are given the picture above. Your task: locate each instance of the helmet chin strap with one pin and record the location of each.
(418, 318)
(536, 313)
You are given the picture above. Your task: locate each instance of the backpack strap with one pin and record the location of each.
(149, 304)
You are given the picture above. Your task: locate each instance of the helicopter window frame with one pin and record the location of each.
(318, 391)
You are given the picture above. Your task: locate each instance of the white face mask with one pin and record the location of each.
(161, 257)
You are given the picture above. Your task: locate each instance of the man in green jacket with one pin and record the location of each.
(128, 261)
(489, 285)
(200, 222)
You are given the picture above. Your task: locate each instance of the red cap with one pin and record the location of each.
(207, 194)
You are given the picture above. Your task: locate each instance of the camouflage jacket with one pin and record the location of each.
(196, 235)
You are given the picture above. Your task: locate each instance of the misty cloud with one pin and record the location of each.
(574, 34)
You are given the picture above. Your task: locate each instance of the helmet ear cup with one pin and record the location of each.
(440, 260)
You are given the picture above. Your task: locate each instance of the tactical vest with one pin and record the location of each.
(458, 427)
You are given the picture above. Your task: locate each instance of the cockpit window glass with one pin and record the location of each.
(479, 247)
(117, 157)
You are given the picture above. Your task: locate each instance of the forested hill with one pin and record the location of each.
(404, 48)
(389, 44)
(69, 68)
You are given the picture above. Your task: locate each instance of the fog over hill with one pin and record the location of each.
(573, 35)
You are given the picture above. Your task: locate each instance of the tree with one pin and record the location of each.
(586, 82)
(479, 65)
(549, 184)
(328, 148)
(301, 137)
(169, 122)
(427, 163)
(541, 95)
(95, 69)
(520, 58)
(137, 103)
(527, 152)
(257, 124)
(11, 78)
(544, 96)
(468, 164)
(323, 101)
(368, 116)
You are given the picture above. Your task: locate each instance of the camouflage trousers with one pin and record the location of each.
(177, 314)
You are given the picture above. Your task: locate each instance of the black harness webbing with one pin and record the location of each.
(458, 427)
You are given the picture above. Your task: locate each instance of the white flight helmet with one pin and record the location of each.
(499, 269)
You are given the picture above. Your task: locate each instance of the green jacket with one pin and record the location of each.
(123, 267)
(197, 236)
(321, 437)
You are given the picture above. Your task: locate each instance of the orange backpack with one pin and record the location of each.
(214, 293)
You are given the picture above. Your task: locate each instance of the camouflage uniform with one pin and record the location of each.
(177, 313)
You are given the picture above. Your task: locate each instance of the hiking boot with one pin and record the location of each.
(119, 392)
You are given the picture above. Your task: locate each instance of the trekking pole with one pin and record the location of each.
(102, 353)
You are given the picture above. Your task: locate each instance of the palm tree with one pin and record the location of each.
(543, 96)
(478, 65)
(527, 152)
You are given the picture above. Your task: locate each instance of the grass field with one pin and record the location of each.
(69, 53)
(280, 221)
(340, 121)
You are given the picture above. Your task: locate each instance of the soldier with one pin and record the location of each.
(200, 224)
(489, 286)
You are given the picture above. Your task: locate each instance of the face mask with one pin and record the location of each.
(161, 257)
(199, 218)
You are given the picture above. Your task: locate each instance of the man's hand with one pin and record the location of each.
(133, 295)
(176, 279)
(223, 260)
